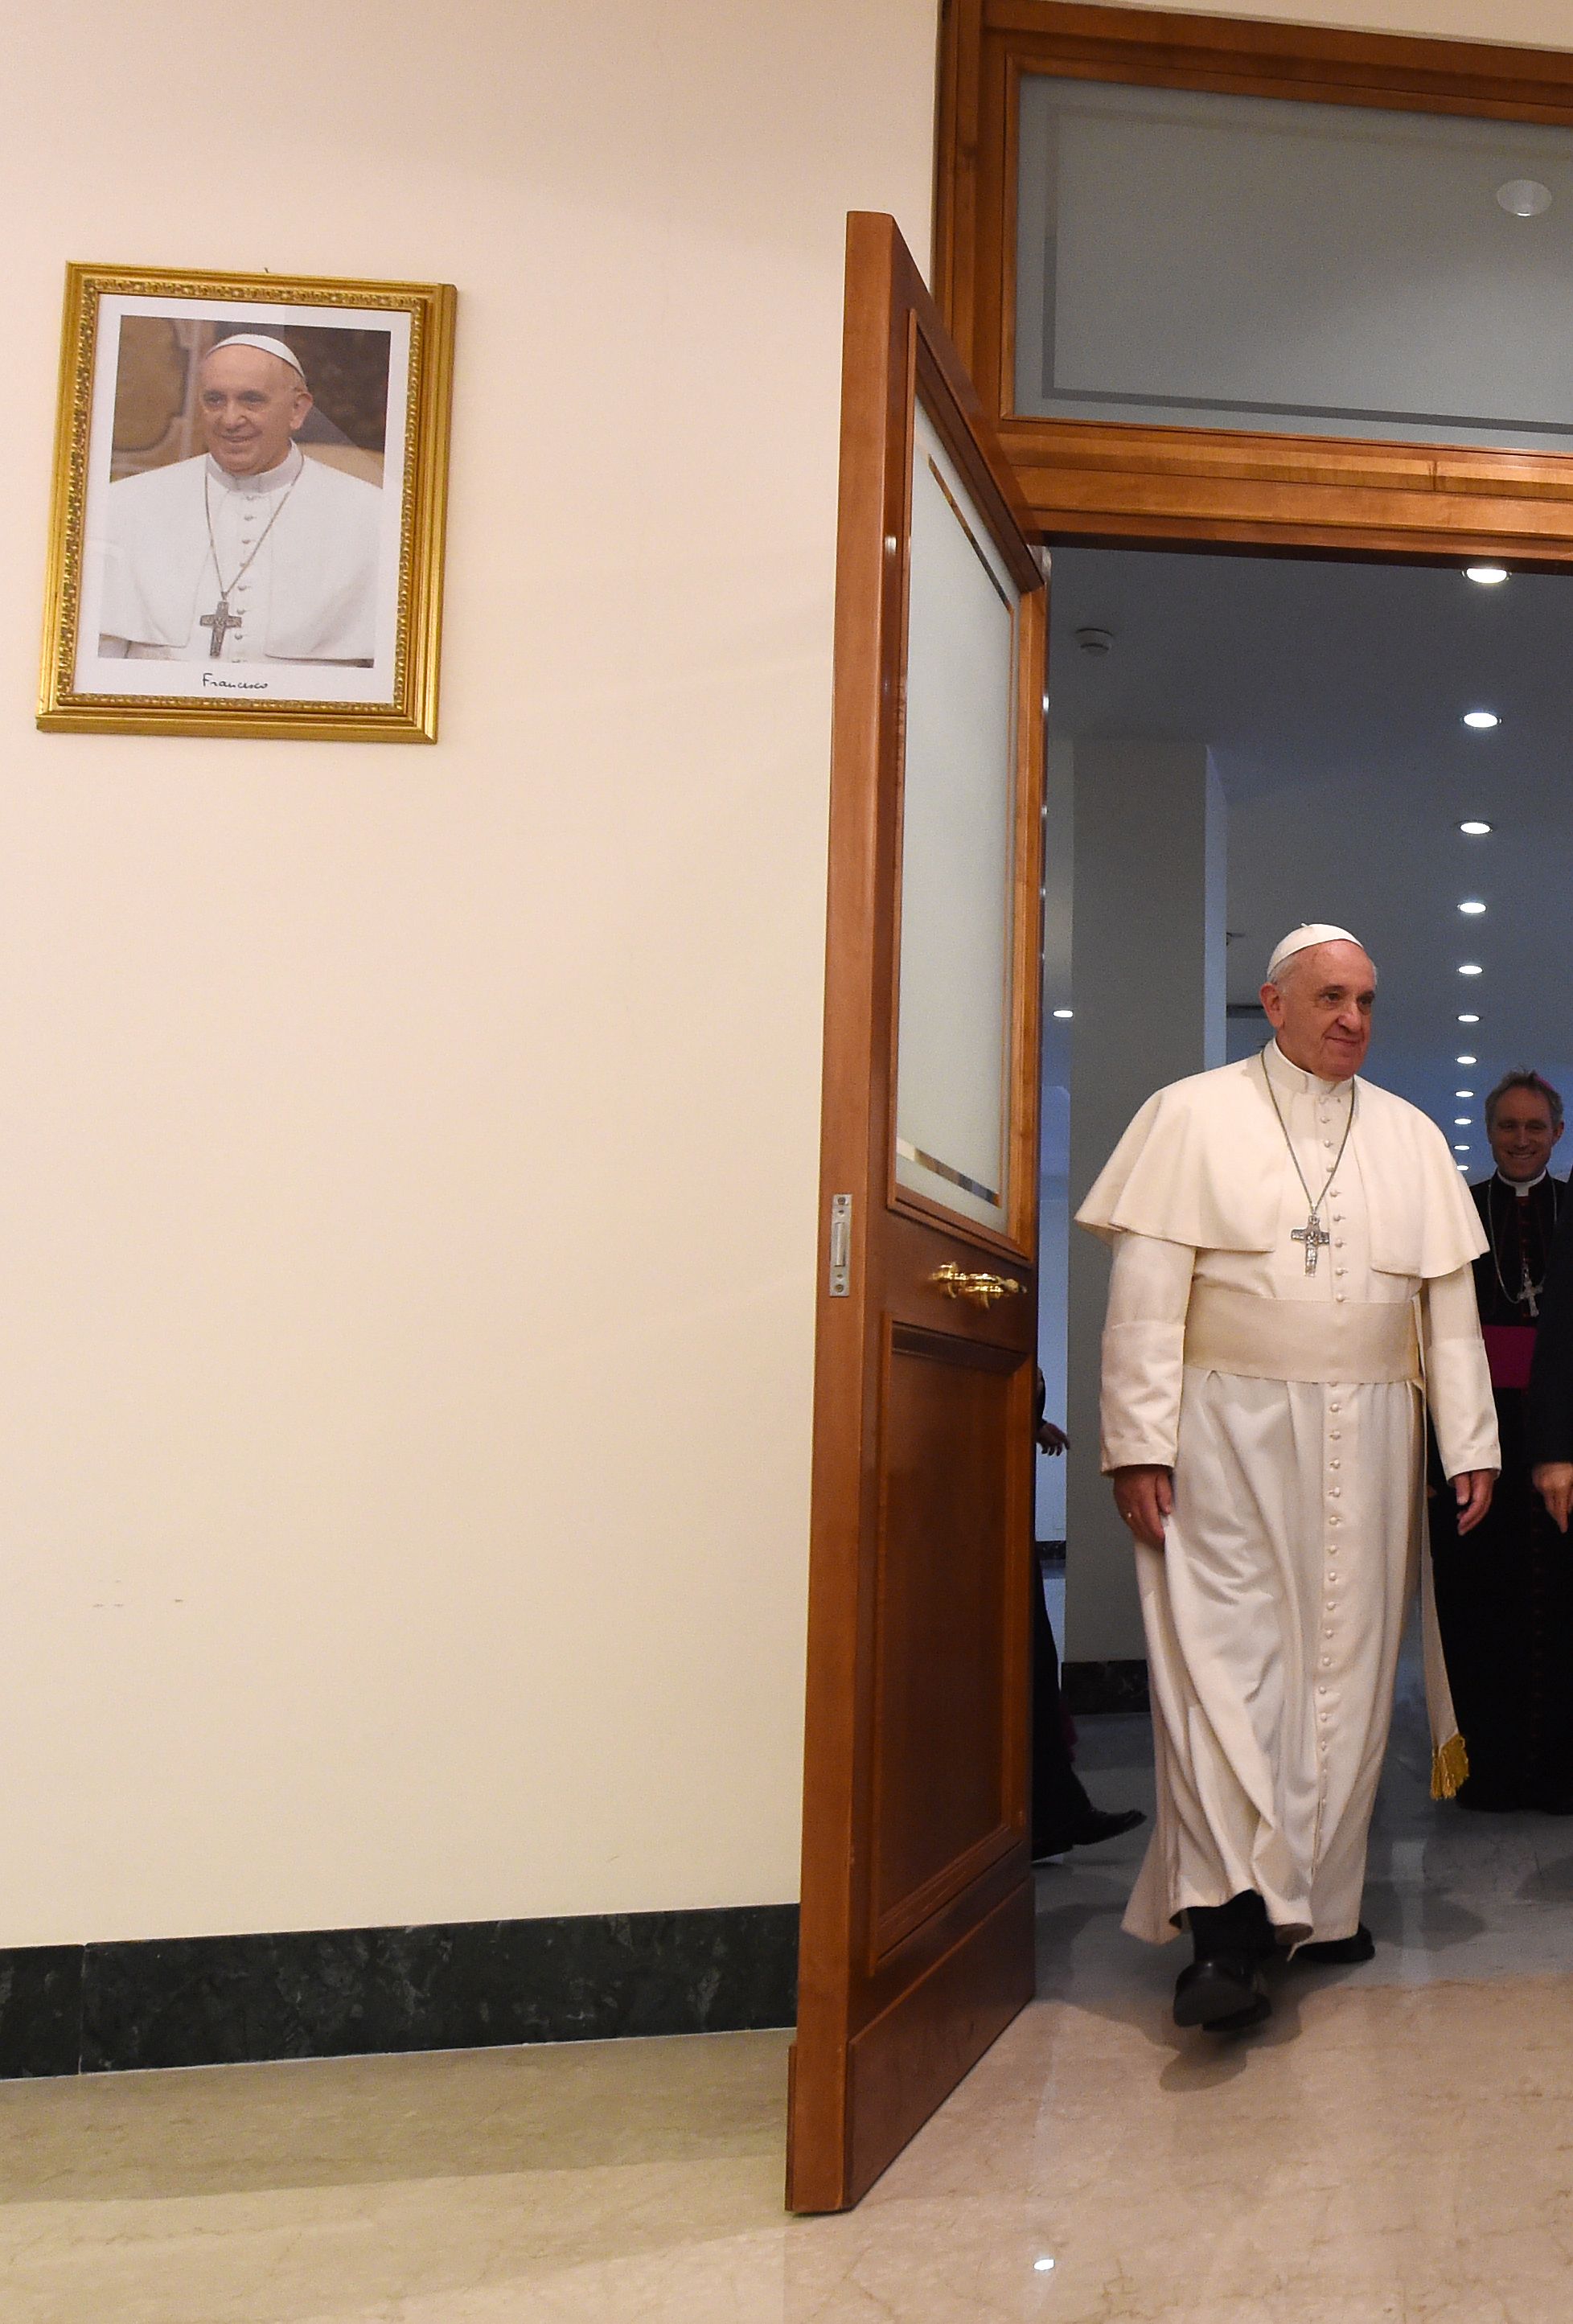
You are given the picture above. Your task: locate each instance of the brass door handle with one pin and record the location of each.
(983, 1289)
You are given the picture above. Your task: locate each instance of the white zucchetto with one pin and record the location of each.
(1301, 939)
(260, 339)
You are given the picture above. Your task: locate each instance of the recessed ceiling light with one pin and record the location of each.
(1470, 968)
(1488, 576)
(1460, 1150)
(1462, 1122)
(1474, 830)
(1481, 718)
(1463, 1059)
(1524, 198)
(1467, 1017)
(1462, 1168)
(1062, 1012)
(1463, 1093)
(1473, 906)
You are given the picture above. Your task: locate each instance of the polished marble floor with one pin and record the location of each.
(1396, 2144)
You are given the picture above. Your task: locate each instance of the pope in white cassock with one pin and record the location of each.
(1290, 1286)
(250, 552)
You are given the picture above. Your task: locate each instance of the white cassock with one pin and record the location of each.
(295, 548)
(1290, 1406)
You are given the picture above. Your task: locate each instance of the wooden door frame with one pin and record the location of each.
(1107, 481)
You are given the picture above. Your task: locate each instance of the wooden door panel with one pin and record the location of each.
(944, 1803)
(916, 1928)
(907, 2061)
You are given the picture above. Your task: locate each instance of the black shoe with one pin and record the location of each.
(1558, 1803)
(1338, 1952)
(1240, 2021)
(1220, 1992)
(1086, 1830)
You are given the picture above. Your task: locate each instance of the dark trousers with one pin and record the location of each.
(1239, 1928)
(1058, 1800)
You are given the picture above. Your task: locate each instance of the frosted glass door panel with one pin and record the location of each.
(1232, 261)
(957, 837)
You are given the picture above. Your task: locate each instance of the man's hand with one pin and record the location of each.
(1473, 1488)
(1554, 1484)
(1145, 1497)
(1051, 1439)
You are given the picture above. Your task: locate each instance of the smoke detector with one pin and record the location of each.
(1095, 641)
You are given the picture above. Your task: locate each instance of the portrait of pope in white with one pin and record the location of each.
(255, 548)
(248, 506)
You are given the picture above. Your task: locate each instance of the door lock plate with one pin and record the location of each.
(840, 1246)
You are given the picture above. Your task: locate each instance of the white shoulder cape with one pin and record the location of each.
(323, 603)
(1203, 1161)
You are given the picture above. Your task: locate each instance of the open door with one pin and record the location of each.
(917, 1898)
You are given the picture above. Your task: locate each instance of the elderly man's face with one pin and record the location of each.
(1522, 1134)
(1321, 1013)
(251, 403)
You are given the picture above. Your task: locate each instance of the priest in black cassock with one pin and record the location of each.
(1504, 1597)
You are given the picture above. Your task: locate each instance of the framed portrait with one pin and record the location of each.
(246, 524)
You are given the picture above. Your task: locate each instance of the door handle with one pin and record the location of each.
(983, 1289)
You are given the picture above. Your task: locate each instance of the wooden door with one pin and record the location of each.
(917, 1901)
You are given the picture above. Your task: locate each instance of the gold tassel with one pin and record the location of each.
(1449, 1768)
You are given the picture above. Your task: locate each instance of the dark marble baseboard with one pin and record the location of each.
(339, 1992)
(1103, 1686)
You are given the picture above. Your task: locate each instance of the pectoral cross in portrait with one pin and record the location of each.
(1527, 1295)
(220, 620)
(1315, 1237)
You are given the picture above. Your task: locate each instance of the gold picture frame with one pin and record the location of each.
(330, 633)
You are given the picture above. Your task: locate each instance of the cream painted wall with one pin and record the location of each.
(409, 1154)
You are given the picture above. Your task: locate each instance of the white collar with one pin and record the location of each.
(270, 480)
(1523, 1187)
(1293, 1079)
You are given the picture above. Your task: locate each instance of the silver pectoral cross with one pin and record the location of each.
(220, 620)
(1315, 1237)
(1527, 1295)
